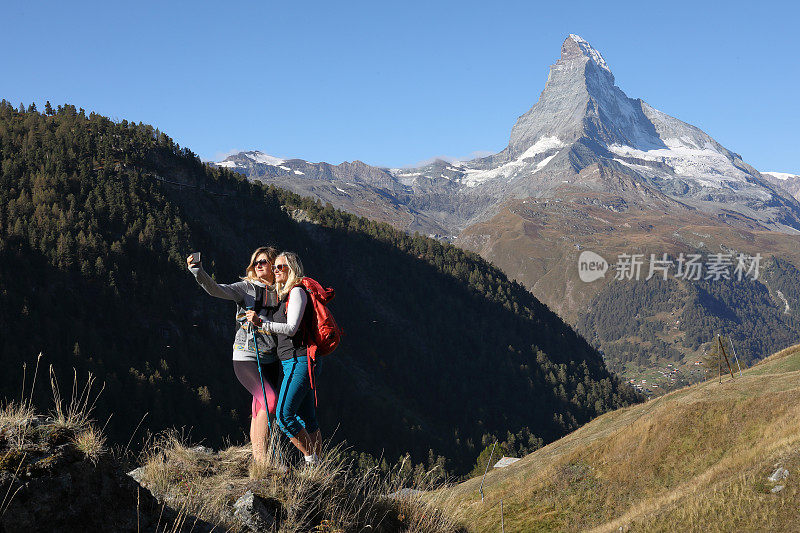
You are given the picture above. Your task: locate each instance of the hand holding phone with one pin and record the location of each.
(193, 259)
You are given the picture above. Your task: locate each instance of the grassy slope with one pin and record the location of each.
(697, 458)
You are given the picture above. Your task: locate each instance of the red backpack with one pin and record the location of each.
(322, 334)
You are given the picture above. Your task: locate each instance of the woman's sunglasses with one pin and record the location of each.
(280, 268)
(261, 262)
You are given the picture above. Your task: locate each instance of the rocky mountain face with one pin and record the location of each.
(786, 181)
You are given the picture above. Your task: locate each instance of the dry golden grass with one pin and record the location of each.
(75, 414)
(91, 442)
(19, 420)
(20, 423)
(674, 460)
(15, 422)
(329, 496)
(16, 417)
(15, 414)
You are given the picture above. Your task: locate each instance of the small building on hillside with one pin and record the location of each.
(505, 461)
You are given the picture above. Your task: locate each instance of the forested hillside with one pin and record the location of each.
(664, 319)
(96, 218)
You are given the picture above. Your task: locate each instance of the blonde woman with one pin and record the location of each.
(296, 413)
(254, 296)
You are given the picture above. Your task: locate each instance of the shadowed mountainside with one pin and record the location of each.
(440, 350)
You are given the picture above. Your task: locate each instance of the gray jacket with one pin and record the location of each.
(244, 294)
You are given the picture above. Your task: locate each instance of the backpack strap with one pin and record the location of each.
(311, 351)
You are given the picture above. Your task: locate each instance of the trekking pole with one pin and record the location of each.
(261, 377)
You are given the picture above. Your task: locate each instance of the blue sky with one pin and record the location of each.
(394, 83)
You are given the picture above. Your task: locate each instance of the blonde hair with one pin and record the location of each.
(250, 272)
(293, 276)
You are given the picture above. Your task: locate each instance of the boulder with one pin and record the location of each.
(204, 450)
(258, 514)
(137, 474)
(778, 475)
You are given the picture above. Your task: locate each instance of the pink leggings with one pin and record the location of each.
(247, 374)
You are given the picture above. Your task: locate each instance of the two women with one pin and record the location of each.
(296, 411)
(280, 323)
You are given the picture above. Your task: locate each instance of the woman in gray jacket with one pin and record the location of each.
(256, 292)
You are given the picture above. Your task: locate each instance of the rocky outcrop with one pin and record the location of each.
(258, 514)
(51, 484)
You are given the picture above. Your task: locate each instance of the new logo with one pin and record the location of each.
(591, 266)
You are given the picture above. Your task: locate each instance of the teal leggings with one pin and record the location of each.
(296, 408)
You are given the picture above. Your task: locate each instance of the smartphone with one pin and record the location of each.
(195, 258)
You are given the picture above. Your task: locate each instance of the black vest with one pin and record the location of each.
(291, 347)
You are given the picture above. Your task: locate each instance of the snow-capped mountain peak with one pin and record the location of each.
(582, 120)
(585, 49)
(580, 100)
(241, 159)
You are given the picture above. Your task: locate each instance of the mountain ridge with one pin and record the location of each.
(786, 181)
(580, 120)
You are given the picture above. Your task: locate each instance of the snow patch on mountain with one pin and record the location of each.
(542, 145)
(405, 177)
(408, 180)
(227, 164)
(475, 177)
(706, 164)
(782, 175)
(261, 157)
(543, 163)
